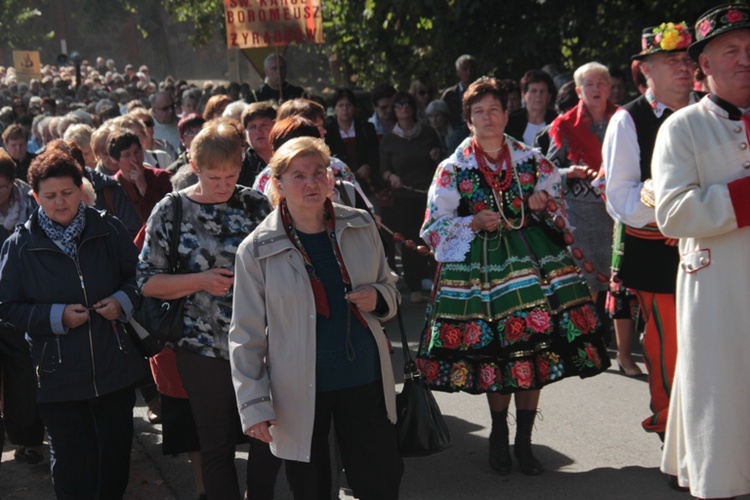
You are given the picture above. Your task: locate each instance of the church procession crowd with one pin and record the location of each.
(549, 211)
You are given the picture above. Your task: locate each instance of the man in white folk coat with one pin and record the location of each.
(701, 173)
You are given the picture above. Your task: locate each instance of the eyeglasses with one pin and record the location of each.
(402, 104)
(165, 108)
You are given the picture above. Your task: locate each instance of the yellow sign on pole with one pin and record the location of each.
(271, 23)
(27, 64)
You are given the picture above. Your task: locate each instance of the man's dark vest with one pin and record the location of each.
(647, 265)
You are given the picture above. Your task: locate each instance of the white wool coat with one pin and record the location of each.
(699, 150)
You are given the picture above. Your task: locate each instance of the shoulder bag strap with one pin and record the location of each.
(344, 195)
(108, 201)
(174, 264)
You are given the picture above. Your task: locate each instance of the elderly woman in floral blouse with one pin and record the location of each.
(511, 311)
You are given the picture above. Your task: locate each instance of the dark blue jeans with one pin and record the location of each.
(90, 443)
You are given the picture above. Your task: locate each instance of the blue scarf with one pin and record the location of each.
(67, 236)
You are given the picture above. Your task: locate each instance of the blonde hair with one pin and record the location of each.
(99, 140)
(132, 123)
(282, 158)
(80, 134)
(140, 113)
(218, 143)
(89, 193)
(588, 69)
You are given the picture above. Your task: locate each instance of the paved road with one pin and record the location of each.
(590, 442)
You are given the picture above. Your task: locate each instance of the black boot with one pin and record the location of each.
(500, 459)
(522, 449)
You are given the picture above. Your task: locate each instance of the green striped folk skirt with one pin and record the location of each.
(515, 315)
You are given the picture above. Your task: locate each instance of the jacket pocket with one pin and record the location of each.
(124, 342)
(692, 262)
(44, 363)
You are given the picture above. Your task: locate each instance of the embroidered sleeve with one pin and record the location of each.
(549, 180)
(446, 233)
(261, 180)
(342, 171)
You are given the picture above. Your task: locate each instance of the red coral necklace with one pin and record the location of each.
(500, 179)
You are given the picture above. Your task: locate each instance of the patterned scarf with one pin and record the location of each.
(321, 299)
(67, 236)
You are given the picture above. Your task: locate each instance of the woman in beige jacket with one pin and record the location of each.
(312, 286)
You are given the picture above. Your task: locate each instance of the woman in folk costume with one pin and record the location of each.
(511, 311)
(576, 150)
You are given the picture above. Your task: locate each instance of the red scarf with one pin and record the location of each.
(574, 127)
(319, 292)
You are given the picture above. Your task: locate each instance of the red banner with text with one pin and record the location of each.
(266, 23)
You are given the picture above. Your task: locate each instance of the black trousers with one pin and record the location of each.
(20, 414)
(208, 383)
(406, 217)
(90, 443)
(367, 441)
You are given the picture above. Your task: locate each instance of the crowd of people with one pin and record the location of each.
(555, 208)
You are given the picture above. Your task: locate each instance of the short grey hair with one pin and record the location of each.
(437, 106)
(152, 98)
(80, 134)
(235, 109)
(465, 58)
(271, 57)
(588, 69)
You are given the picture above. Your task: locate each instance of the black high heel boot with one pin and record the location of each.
(522, 449)
(500, 459)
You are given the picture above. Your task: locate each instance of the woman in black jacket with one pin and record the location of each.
(352, 140)
(67, 278)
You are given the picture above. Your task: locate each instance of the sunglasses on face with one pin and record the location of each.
(402, 104)
(166, 108)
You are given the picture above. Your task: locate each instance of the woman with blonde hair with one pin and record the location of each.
(314, 286)
(216, 215)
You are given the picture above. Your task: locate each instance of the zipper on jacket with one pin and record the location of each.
(116, 333)
(91, 338)
(39, 367)
(86, 301)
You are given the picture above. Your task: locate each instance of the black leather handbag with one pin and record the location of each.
(420, 427)
(146, 344)
(163, 319)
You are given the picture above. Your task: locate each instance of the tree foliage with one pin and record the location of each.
(396, 40)
(16, 25)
